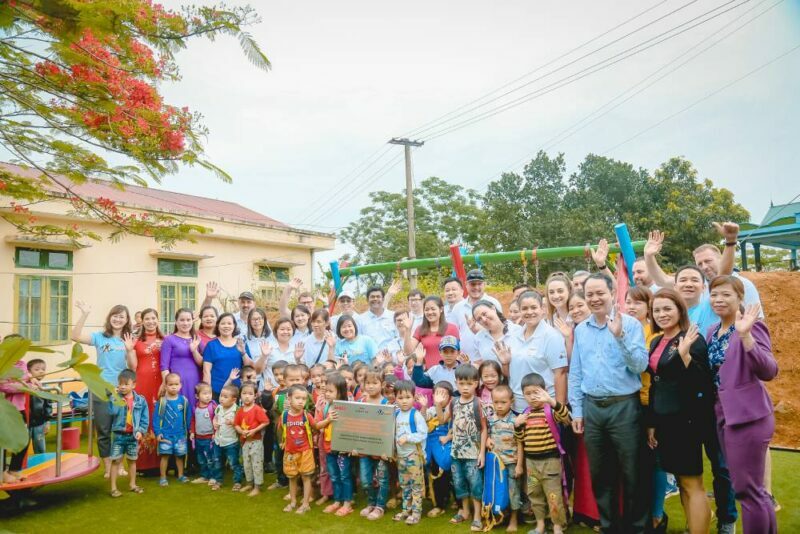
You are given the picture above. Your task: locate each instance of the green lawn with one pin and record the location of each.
(85, 504)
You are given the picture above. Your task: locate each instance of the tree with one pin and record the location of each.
(444, 214)
(79, 86)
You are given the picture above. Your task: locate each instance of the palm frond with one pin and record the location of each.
(253, 52)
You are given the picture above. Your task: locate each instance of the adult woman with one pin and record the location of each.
(300, 317)
(514, 315)
(258, 343)
(537, 347)
(208, 324)
(496, 330)
(115, 353)
(223, 354)
(679, 412)
(282, 349)
(434, 326)
(690, 284)
(557, 290)
(180, 354)
(740, 354)
(147, 355)
(351, 345)
(317, 346)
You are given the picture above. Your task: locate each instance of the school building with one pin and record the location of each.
(244, 250)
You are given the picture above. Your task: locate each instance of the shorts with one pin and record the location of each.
(514, 490)
(170, 445)
(467, 478)
(124, 444)
(300, 463)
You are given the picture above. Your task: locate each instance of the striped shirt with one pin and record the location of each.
(537, 439)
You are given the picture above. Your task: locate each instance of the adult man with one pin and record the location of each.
(304, 298)
(415, 298)
(462, 312)
(641, 277)
(246, 303)
(608, 357)
(377, 322)
(578, 278)
(453, 295)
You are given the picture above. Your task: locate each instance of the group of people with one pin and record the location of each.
(577, 398)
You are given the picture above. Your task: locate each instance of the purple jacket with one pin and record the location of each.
(742, 395)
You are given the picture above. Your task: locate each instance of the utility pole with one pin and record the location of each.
(412, 244)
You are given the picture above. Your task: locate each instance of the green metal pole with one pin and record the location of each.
(484, 258)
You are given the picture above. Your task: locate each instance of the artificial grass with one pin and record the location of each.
(85, 504)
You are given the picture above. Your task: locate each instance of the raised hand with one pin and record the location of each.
(299, 351)
(83, 306)
(600, 254)
(194, 344)
(439, 398)
(234, 374)
(541, 395)
(562, 326)
(296, 283)
(686, 342)
(463, 358)
(503, 352)
(745, 321)
(728, 230)
(382, 357)
(615, 324)
(129, 340)
(655, 240)
(330, 339)
(212, 290)
(520, 419)
(240, 345)
(472, 323)
(423, 401)
(397, 285)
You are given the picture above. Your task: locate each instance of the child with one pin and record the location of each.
(249, 421)
(491, 375)
(338, 463)
(316, 373)
(226, 439)
(411, 432)
(40, 409)
(347, 373)
(171, 421)
(469, 447)
(536, 428)
(443, 371)
(291, 374)
(359, 373)
(325, 485)
(249, 374)
(438, 447)
(129, 422)
(298, 460)
(202, 435)
(370, 467)
(329, 365)
(503, 443)
(388, 389)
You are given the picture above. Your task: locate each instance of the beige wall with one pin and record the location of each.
(125, 272)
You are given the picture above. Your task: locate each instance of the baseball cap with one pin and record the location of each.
(449, 342)
(475, 274)
(246, 295)
(347, 293)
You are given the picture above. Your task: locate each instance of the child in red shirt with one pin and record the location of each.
(296, 427)
(249, 421)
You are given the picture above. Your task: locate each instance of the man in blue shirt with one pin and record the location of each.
(608, 357)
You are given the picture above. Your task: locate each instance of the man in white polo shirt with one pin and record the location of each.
(377, 322)
(462, 312)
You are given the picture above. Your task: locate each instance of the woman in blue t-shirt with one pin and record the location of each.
(355, 347)
(223, 354)
(115, 353)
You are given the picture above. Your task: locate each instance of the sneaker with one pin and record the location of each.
(726, 528)
(163, 482)
(366, 511)
(376, 513)
(775, 504)
(672, 489)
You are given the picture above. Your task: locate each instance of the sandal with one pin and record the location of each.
(413, 519)
(375, 514)
(457, 519)
(435, 512)
(290, 507)
(163, 482)
(400, 516)
(303, 509)
(366, 511)
(183, 479)
(236, 487)
(116, 493)
(476, 526)
(331, 508)
(137, 489)
(343, 511)
(214, 487)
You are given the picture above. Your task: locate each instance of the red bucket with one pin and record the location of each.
(70, 438)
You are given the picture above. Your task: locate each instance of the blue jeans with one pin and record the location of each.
(230, 453)
(207, 459)
(341, 477)
(724, 496)
(37, 437)
(467, 479)
(377, 467)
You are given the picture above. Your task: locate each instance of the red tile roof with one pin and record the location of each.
(157, 199)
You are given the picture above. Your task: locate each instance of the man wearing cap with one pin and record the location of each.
(462, 312)
(246, 303)
(378, 322)
(444, 371)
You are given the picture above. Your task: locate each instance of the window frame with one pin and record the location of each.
(44, 259)
(274, 269)
(44, 307)
(167, 322)
(175, 263)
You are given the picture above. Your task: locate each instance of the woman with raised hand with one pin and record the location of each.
(223, 354)
(115, 353)
(741, 359)
(317, 346)
(258, 343)
(495, 332)
(208, 324)
(147, 352)
(433, 328)
(181, 353)
(351, 345)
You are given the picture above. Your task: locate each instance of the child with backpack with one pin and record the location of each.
(439, 459)
(295, 426)
(202, 435)
(503, 443)
(411, 431)
(171, 421)
(536, 428)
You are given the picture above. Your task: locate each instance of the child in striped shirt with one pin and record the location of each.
(536, 428)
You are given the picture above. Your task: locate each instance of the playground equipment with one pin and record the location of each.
(52, 468)
(625, 247)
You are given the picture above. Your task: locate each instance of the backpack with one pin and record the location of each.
(551, 423)
(412, 426)
(162, 406)
(495, 491)
(285, 420)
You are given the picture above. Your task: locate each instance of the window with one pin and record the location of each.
(42, 308)
(168, 267)
(267, 295)
(171, 297)
(34, 258)
(268, 273)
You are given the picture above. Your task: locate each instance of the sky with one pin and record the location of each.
(349, 75)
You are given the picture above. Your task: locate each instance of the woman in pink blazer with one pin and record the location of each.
(740, 354)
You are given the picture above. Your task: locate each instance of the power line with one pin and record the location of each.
(583, 73)
(706, 97)
(537, 69)
(571, 130)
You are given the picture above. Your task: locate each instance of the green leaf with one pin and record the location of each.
(90, 374)
(12, 349)
(14, 436)
(253, 52)
(37, 348)
(46, 395)
(78, 357)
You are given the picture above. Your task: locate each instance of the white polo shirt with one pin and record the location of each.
(466, 337)
(379, 327)
(541, 353)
